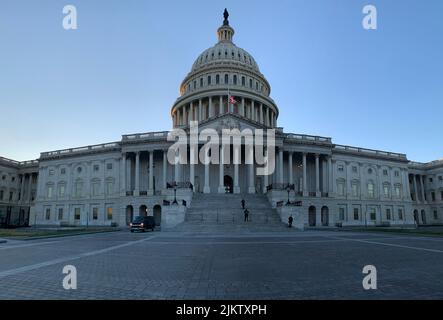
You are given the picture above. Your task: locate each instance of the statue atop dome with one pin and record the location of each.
(226, 16)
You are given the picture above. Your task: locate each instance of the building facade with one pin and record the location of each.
(332, 185)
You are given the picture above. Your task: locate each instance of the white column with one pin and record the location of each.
(330, 179)
(151, 172)
(280, 166)
(291, 174)
(191, 112)
(267, 117)
(251, 188)
(407, 186)
(261, 114)
(185, 116)
(165, 168)
(124, 169)
(221, 187)
(211, 111)
(137, 174)
(305, 183)
(317, 175)
(30, 188)
(243, 113)
(207, 188)
(192, 168)
(422, 189)
(22, 190)
(176, 168)
(414, 180)
(200, 110)
(236, 173)
(220, 106)
(252, 110)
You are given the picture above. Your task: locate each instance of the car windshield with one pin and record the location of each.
(138, 219)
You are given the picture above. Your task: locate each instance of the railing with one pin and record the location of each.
(20, 163)
(304, 137)
(145, 136)
(143, 193)
(312, 194)
(98, 147)
(426, 165)
(129, 193)
(280, 186)
(370, 151)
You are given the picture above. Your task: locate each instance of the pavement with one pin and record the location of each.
(225, 263)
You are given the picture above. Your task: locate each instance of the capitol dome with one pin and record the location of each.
(225, 79)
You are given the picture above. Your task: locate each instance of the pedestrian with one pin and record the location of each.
(243, 203)
(290, 220)
(246, 215)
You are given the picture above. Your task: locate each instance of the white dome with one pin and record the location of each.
(225, 52)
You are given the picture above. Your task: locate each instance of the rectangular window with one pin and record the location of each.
(11, 195)
(1, 195)
(354, 190)
(431, 180)
(341, 189)
(77, 213)
(50, 192)
(94, 213)
(63, 171)
(370, 190)
(61, 190)
(400, 214)
(386, 190)
(440, 178)
(340, 167)
(397, 174)
(96, 167)
(385, 172)
(355, 213)
(109, 166)
(397, 191)
(51, 172)
(354, 169)
(435, 215)
(48, 213)
(60, 214)
(388, 214)
(109, 187)
(341, 213)
(78, 189)
(95, 189)
(433, 196)
(372, 214)
(109, 213)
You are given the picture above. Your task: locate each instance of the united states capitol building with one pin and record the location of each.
(327, 184)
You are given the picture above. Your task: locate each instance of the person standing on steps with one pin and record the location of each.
(243, 203)
(290, 220)
(246, 215)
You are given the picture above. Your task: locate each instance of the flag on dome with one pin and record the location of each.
(232, 100)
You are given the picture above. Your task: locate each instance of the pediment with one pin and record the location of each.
(229, 121)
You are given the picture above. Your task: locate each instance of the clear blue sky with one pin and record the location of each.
(120, 71)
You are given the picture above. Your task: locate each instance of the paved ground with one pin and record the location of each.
(224, 265)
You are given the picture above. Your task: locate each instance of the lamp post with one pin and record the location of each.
(175, 195)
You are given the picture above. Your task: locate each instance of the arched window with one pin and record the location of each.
(217, 79)
(243, 81)
(195, 84)
(209, 80)
(250, 83)
(201, 82)
(226, 78)
(235, 79)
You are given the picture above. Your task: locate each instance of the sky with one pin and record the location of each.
(120, 71)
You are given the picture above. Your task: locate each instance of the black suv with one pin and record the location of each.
(143, 224)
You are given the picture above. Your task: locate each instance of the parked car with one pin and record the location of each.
(142, 224)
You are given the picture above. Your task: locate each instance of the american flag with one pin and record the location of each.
(232, 100)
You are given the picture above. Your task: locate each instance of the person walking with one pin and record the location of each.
(290, 220)
(246, 215)
(243, 203)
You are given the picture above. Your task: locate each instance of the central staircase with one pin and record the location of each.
(209, 211)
